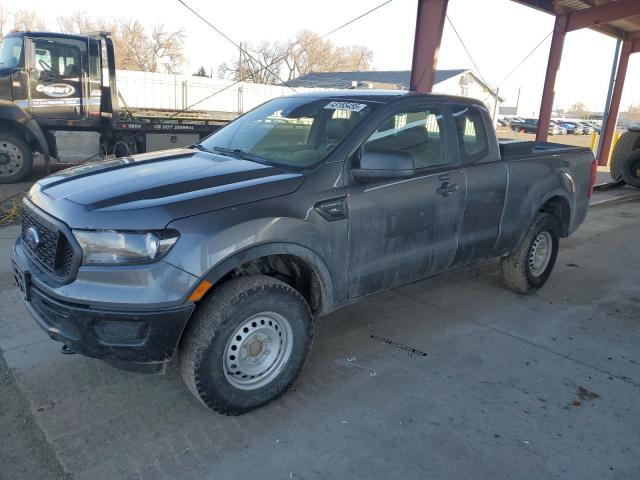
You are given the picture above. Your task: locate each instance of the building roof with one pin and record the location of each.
(346, 79)
(383, 79)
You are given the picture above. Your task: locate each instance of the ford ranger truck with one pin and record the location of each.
(224, 253)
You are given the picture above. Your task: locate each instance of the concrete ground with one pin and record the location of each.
(538, 387)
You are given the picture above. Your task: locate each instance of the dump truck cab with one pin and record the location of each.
(57, 78)
(59, 97)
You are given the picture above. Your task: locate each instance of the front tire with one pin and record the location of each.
(246, 344)
(16, 158)
(528, 268)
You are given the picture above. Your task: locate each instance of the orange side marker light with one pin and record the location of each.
(200, 290)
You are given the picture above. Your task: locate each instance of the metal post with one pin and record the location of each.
(610, 127)
(553, 64)
(605, 115)
(518, 100)
(426, 45)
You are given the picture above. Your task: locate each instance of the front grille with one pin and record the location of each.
(53, 252)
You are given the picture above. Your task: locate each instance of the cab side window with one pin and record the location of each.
(56, 61)
(94, 60)
(472, 133)
(418, 132)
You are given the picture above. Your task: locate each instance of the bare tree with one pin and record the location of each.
(254, 60)
(27, 20)
(579, 109)
(634, 108)
(135, 48)
(165, 49)
(4, 19)
(306, 53)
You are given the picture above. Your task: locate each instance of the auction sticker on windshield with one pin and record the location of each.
(349, 106)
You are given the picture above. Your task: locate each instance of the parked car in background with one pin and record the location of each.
(530, 125)
(572, 128)
(586, 128)
(595, 126)
(561, 130)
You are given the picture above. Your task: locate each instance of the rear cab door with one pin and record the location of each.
(401, 230)
(486, 180)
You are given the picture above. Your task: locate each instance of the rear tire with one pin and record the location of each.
(246, 344)
(528, 268)
(630, 170)
(624, 148)
(16, 159)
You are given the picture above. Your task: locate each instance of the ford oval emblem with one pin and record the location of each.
(32, 237)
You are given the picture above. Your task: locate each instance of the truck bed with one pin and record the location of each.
(510, 150)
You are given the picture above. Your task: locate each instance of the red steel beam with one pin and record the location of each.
(553, 64)
(598, 15)
(426, 46)
(612, 120)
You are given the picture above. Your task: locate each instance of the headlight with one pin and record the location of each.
(101, 247)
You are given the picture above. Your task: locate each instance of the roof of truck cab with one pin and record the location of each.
(51, 35)
(384, 96)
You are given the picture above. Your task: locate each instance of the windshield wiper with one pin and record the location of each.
(199, 146)
(238, 153)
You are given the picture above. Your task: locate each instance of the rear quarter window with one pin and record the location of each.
(471, 133)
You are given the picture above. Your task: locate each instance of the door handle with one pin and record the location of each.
(446, 189)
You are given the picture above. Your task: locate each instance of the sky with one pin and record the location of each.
(498, 33)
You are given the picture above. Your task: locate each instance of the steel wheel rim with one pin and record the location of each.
(11, 158)
(258, 350)
(540, 253)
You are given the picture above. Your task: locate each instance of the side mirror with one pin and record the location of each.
(384, 166)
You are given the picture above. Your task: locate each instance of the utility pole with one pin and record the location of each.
(518, 100)
(495, 107)
(240, 69)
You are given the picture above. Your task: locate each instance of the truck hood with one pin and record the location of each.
(150, 190)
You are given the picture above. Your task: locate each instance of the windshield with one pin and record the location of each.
(10, 52)
(290, 131)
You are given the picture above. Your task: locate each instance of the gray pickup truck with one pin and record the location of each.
(226, 251)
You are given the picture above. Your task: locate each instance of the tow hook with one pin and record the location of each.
(67, 350)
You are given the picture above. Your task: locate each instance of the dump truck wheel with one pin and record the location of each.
(630, 170)
(16, 158)
(628, 142)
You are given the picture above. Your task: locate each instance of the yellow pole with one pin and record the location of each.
(594, 141)
(616, 137)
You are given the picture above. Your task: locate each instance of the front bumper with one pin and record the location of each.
(146, 334)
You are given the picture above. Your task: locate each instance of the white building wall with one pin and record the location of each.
(176, 92)
(474, 89)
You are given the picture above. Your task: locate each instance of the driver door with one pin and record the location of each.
(55, 82)
(402, 230)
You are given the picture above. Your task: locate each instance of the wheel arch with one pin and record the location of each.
(292, 263)
(558, 206)
(16, 120)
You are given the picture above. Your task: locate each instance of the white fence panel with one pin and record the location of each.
(176, 92)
